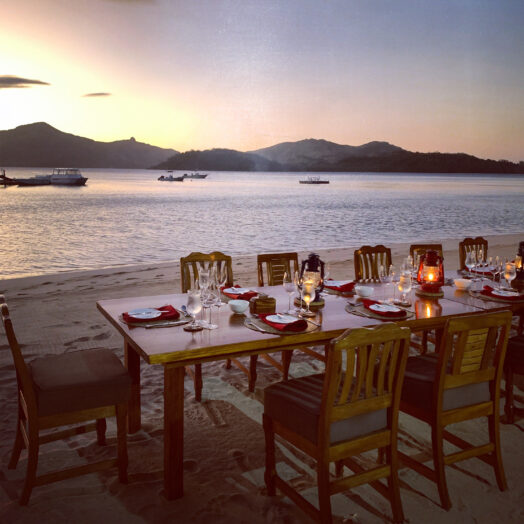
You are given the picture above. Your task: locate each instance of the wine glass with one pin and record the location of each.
(471, 261)
(289, 287)
(194, 305)
(498, 269)
(404, 286)
(221, 279)
(395, 277)
(209, 299)
(298, 281)
(308, 295)
(204, 278)
(510, 272)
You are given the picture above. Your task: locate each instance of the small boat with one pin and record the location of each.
(171, 178)
(66, 176)
(195, 175)
(314, 180)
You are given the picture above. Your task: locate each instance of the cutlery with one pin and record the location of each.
(166, 324)
(309, 320)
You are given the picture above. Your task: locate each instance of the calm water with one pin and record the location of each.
(127, 216)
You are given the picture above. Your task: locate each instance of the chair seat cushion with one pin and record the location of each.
(417, 389)
(515, 354)
(296, 405)
(79, 380)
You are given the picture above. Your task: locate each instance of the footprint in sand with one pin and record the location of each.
(191, 466)
(240, 458)
(81, 339)
(102, 336)
(95, 326)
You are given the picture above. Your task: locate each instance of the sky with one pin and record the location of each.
(425, 75)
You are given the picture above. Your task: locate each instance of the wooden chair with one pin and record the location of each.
(274, 265)
(367, 261)
(513, 364)
(189, 268)
(61, 390)
(463, 383)
(335, 416)
(471, 244)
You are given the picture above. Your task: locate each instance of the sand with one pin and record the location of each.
(224, 443)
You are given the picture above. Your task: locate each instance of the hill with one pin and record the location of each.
(41, 145)
(220, 160)
(304, 153)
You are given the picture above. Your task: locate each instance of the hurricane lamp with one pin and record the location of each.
(312, 269)
(430, 274)
(518, 283)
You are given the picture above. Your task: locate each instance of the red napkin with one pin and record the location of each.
(345, 288)
(480, 273)
(390, 314)
(168, 313)
(488, 292)
(242, 296)
(299, 325)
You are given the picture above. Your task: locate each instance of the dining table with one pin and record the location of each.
(174, 348)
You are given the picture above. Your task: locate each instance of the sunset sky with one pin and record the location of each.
(426, 75)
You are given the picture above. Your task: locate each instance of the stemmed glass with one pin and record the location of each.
(471, 261)
(194, 305)
(404, 286)
(384, 278)
(289, 287)
(510, 272)
(221, 279)
(298, 281)
(308, 294)
(395, 277)
(499, 267)
(210, 298)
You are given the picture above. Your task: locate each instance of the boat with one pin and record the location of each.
(171, 178)
(314, 180)
(195, 175)
(67, 176)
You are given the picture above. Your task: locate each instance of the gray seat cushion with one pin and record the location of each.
(417, 389)
(296, 404)
(79, 380)
(515, 354)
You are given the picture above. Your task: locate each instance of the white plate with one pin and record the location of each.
(336, 283)
(281, 319)
(236, 290)
(504, 293)
(145, 313)
(384, 308)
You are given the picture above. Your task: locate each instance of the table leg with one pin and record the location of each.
(132, 361)
(173, 432)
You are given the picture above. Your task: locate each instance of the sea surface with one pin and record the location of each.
(128, 217)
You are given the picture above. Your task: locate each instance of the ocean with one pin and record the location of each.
(128, 216)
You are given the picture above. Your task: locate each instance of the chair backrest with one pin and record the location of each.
(477, 245)
(364, 373)
(368, 259)
(275, 265)
(472, 351)
(23, 376)
(189, 267)
(417, 250)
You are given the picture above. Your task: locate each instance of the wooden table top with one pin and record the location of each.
(232, 338)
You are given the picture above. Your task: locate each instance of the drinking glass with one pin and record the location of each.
(204, 278)
(289, 287)
(308, 294)
(395, 277)
(471, 261)
(404, 286)
(499, 267)
(209, 299)
(298, 281)
(510, 272)
(194, 305)
(221, 279)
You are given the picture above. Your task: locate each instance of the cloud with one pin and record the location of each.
(13, 82)
(96, 94)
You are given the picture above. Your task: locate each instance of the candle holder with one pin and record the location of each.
(430, 275)
(312, 269)
(518, 282)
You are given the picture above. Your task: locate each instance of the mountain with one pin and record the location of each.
(220, 160)
(304, 153)
(41, 145)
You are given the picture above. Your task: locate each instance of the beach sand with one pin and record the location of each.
(224, 441)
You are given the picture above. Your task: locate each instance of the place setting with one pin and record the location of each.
(155, 317)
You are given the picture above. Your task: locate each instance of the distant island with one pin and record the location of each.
(41, 145)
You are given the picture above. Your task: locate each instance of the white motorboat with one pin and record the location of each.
(314, 180)
(67, 176)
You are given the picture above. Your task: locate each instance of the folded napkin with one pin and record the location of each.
(390, 314)
(168, 313)
(481, 271)
(488, 292)
(240, 296)
(299, 325)
(344, 288)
